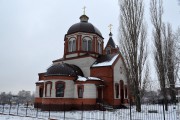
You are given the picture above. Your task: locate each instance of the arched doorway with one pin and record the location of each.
(41, 92)
(122, 91)
(99, 94)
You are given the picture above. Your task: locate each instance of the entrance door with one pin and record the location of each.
(122, 95)
(99, 91)
(40, 92)
(122, 91)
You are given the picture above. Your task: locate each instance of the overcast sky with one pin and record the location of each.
(32, 33)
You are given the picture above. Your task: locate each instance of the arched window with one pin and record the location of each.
(87, 44)
(99, 47)
(80, 90)
(108, 50)
(117, 90)
(72, 45)
(41, 92)
(60, 86)
(48, 88)
(122, 90)
(126, 92)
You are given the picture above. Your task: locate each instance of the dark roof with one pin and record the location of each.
(61, 59)
(111, 42)
(104, 58)
(84, 26)
(64, 69)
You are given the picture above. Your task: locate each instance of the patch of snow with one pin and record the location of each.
(10, 117)
(41, 81)
(93, 78)
(107, 63)
(80, 78)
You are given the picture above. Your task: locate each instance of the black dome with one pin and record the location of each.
(64, 69)
(84, 26)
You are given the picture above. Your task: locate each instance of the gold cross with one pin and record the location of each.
(110, 27)
(84, 10)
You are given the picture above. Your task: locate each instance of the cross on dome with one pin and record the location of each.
(110, 27)
(84, 10)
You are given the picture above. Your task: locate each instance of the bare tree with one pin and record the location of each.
(156, 18)
(145, 81)
(133, 44)
(170, 60)
(163, 52)
(177, 54)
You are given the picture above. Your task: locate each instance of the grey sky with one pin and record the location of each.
(32, 33)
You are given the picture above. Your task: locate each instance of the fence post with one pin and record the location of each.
(3, 108)
(64, 111)
(103, 111)
(49, 112)
(10, 108)
(164, 111)
(37, 111)
(130, 109)
(26, 108)
(82, 111)
(17, 108)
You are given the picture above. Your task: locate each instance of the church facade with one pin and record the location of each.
(88, 73)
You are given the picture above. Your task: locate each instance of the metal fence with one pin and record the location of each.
(149, 112)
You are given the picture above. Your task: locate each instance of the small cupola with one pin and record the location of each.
(84, 18)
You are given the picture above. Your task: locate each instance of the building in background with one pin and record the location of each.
(87, 74)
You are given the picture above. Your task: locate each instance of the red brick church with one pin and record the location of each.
(88, 73)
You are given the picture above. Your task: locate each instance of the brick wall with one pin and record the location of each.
(106, 74)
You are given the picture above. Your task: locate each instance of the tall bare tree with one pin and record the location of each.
(133, 43)
(177, 52)
(170, 60)
(145, 81)
(156, 10)
(165, 56)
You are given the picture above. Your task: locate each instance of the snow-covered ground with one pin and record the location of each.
(10, 117)
(119, 114)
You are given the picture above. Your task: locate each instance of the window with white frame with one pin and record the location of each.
(108, 50)
(60, 86)
(48, 89)
(72, 44)
(80, 91)
(99, 47)
(87, 44)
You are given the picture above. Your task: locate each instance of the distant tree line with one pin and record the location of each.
(22, 97)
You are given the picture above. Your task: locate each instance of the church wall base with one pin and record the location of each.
(66, 107)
